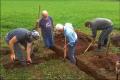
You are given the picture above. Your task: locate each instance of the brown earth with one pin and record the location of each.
(106, 62)
(116, 40)
(101, 67)
(83, 42)
(16, 64)
(103, 61)
(4, 50)
(98, 62)
(36, 59)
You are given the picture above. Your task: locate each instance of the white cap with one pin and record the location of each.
(35, 34)
(59, 27)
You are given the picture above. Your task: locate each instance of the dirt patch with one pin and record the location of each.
(16, 64)
(1, 78)
(4, 50)
(83, 42)
(116, 40)
(103, 61)
(107, 62)
(36, 59)
(101, 67)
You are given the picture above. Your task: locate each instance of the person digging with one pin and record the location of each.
(18, 41)
(71, 37)
(103, 24)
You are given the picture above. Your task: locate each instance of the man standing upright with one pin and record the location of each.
(46, 25)
(103, 24)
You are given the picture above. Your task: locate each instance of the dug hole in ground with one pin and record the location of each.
(97, 64)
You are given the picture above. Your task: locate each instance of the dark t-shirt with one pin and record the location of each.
(100, 24)
(46, 25)
(22, 35)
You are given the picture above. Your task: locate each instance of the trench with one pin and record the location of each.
(101, 67)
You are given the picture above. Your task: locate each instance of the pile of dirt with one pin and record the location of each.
(36, 59)
(103, 61)
(16, 64)
(100, 66)
(116, 40)
(4, 50)
(83, 41)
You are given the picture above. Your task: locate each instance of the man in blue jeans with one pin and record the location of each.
(46, 26)
(103, 24)
(18, 41)
(71, 38)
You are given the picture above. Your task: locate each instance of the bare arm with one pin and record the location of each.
(11, 44)
(29, 52)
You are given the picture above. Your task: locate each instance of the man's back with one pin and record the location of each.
(21, 35)
(101, 23)
(70, 33)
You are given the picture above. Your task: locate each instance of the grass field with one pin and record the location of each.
(23, 13)
(15, 13)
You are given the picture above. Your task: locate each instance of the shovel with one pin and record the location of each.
(89, 46)
(65, 49)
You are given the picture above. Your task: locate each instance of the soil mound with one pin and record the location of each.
(116, 40)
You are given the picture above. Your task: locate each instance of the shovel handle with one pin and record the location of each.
(117, 69)
(89, 46)
(65, 49)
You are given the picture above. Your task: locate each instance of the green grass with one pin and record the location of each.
(23, 13)
(16, 13)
